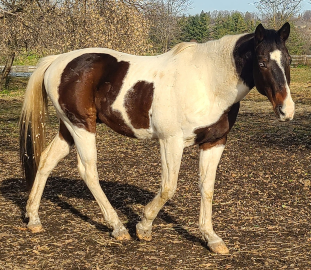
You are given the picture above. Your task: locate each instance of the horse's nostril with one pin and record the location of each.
(279, 108)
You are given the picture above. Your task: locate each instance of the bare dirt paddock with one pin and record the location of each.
(262, 203)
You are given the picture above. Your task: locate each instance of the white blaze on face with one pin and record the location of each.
(288, 106)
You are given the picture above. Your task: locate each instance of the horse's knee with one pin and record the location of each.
(167, 192)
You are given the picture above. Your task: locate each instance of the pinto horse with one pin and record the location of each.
(189, 95)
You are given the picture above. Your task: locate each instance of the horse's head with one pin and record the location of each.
(272, 69)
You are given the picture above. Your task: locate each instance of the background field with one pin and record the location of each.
(262, 203)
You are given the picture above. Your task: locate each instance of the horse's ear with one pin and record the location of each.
(259, 33)
(284, 31)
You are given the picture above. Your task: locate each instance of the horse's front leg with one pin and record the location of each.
(209, 159)
(171, 154)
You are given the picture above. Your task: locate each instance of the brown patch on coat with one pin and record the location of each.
(277, 102)
(215, 134)
(209, 145)
(138, 102)
(89, 85)
(277, 99)
(280, 97)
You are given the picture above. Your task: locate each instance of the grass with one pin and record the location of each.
(26, 59)
(15, 88)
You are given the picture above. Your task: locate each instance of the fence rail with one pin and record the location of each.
(20, 71)
(16, 69)
(304, 60)
(25, 71)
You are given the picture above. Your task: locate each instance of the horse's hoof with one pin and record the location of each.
(121, 234)
(218, 247)
(143, 234)
(35, 228)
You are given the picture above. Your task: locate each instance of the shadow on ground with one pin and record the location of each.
(121, 196)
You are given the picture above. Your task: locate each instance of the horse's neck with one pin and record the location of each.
(243, 54)
(230, 61)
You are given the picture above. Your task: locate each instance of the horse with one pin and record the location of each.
(187, 96)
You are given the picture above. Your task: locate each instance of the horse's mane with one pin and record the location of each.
(182, 46)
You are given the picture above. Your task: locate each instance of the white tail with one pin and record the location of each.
(32, 121)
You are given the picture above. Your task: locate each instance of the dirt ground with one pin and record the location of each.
(262, 202)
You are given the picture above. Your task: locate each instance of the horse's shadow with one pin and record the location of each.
(121, 196)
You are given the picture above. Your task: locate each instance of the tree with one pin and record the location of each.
(55, 26)
(307, 15)
(195, 28)
(238, 23)
(226, 23)
(277, 12)
(163, 16)
(295, 43)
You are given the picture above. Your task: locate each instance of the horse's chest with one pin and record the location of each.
(217, 131)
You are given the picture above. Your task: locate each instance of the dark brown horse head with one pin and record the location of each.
(272, 69)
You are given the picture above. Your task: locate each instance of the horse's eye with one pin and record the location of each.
(262, 64)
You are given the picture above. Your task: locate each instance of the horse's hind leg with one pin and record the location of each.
(171, 154)
(81, 167)
(209, 159)
(87, 158)
(57, 150)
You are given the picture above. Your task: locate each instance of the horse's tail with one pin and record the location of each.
(32, 121)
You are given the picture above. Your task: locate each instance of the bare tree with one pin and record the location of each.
(307, 15)
(56, 26)
(163, 16)
(276, 12)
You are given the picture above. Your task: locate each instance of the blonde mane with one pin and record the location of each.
(182, 46)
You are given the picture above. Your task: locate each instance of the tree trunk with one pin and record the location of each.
(6, 70)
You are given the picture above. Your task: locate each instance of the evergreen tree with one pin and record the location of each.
(195, 28)
(295, 43)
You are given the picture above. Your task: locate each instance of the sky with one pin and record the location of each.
(236, 5)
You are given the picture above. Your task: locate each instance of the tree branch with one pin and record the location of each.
(7, 12)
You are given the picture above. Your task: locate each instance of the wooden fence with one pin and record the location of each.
(20, 71)
(304, 60)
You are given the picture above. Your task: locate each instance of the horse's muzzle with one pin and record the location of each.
(286, 111)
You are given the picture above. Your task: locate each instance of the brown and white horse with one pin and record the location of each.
(189, 95)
